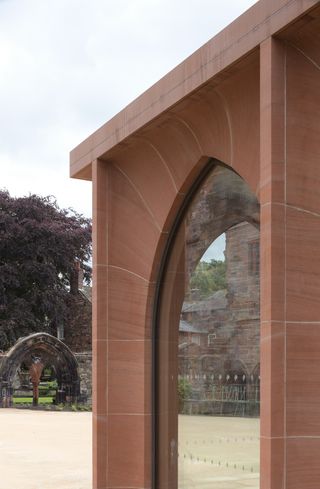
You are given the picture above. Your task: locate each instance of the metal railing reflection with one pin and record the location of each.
(226, 394)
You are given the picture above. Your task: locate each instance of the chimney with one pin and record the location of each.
(76, 278)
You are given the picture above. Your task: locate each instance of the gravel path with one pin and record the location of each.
(45, 450)
(218, 452)
(52, 450)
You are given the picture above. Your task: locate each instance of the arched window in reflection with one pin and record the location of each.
(208, 342)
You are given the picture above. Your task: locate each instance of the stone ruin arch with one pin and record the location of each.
(31, 350)
(223, 201)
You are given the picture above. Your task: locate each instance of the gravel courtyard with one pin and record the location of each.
(50, 450)
(45, 450)
(218, 452)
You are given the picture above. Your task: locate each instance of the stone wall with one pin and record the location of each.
(77, 332)
(243, 292)
(223, 201)
(223, 367)
(85, 373)
(232, 314)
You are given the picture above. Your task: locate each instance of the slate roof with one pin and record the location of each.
(218, 300)
(186, 327)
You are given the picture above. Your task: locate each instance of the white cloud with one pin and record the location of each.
(68, 66)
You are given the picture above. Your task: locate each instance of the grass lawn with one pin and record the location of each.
(28, 400)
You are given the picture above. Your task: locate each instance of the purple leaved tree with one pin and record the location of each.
(40, 246)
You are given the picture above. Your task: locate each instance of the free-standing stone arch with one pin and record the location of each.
(250, 98)
(47, 349)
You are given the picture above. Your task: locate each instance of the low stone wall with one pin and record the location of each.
(84, 360)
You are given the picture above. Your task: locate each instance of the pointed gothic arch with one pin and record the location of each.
(50, 350)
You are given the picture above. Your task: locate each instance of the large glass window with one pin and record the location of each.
(208, 395)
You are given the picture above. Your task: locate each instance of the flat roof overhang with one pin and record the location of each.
(213, 62)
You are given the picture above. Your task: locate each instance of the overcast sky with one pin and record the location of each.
(67, 66)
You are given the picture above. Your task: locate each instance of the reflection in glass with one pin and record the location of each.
(218, 383)
(209, 319)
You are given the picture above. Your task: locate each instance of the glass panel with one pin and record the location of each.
(218, 380)
(208, 342)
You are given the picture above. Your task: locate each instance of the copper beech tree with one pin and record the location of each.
(41, 246)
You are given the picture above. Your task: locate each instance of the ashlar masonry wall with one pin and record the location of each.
(250, 99)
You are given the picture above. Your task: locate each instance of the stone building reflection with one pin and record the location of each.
(219, 334)
(219, 337)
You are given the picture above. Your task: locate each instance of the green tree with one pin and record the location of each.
(184, 392)
(208, 277)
